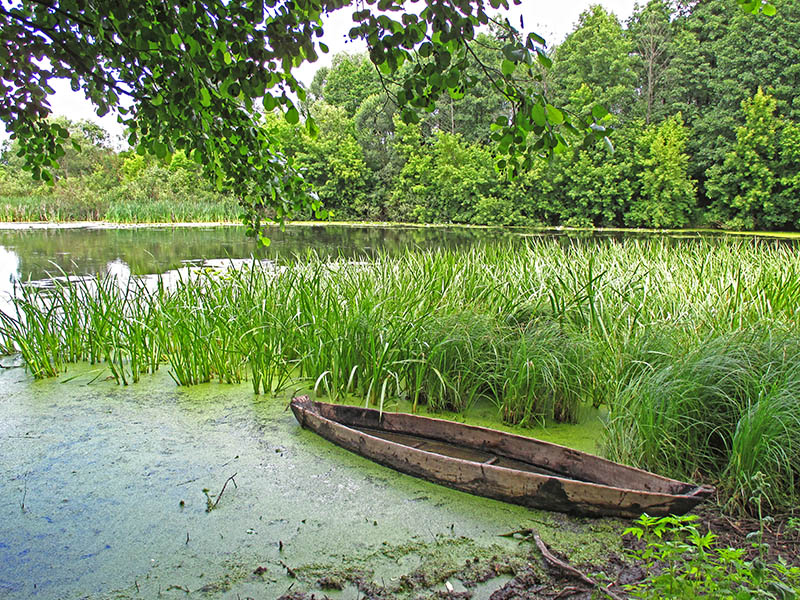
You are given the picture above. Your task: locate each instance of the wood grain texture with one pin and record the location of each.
(498, 465)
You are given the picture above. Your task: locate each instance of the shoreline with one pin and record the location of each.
(65, 225)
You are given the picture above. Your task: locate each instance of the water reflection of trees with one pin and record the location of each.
(88, 251)
(155, 250)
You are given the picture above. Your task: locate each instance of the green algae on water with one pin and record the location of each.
(104, 469)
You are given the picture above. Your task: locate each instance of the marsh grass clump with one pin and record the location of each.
(727, 408)
(678, 339)
(457, 353)
(538, 376)
(83, 319)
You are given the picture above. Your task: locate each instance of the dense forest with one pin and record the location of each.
(704, 118)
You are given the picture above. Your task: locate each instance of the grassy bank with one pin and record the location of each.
(118, 208)
(691, 345)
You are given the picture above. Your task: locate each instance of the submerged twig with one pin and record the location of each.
(211, 506)
(526, 532)
(24, 493)
(569, 569)
(289, 570)
(522, 532)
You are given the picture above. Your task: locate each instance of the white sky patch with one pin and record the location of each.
(552, 20)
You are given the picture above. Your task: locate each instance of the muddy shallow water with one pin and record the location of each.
(102, 491)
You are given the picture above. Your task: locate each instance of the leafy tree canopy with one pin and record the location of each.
(350, 80)
(194, 76)
(598, 54)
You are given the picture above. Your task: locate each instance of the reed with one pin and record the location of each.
(90, 205)
(173, 210)
(669, 335)
(728, 407)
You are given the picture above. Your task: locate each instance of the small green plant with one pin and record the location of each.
(793, 525)
(682, 562)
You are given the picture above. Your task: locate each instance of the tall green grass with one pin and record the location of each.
(678, 339)
(116, 208)
(173, 210)
(53, 208)
(729, 406)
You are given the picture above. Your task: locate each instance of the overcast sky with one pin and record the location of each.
(551, 20)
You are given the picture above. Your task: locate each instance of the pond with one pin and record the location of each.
(105, 496)
(107, 488)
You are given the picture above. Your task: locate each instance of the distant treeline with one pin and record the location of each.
(98, 183)
(704, 112)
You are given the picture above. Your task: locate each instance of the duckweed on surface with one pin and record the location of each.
(94, 475)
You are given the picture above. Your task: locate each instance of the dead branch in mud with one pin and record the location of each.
(569, 569)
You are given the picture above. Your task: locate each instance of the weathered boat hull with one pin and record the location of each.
(498, 465)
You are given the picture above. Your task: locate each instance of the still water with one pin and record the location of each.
(34, 254)
(37, 254)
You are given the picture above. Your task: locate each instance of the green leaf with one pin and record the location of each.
(205, 97)
(507, 67)
(536, 38)
(270, 102)
(311, 126)
(544, 60)
(554, 115)
(538, 115)
(292, 116)
(599, 112)
(769, 10)
(409, 116)
(456, 93)
(751, 6)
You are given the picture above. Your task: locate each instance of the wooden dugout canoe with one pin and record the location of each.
(498, 465)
